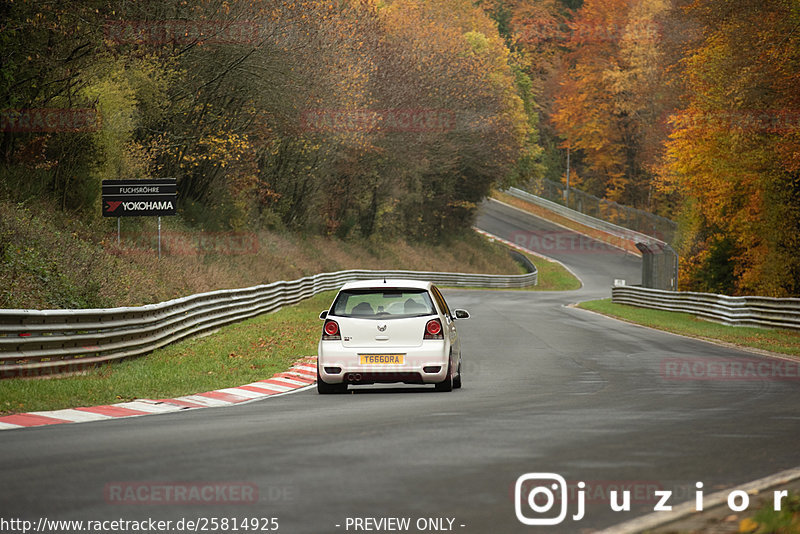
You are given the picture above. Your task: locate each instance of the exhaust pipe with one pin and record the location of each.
(354, 377)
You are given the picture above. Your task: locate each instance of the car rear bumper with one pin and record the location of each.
(426, 364)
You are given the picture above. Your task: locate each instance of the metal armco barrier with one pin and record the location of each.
(737, 311)
(586, 220)
(607, 210)
(41, 342)
(659, 260)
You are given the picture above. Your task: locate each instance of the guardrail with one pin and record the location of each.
(659, 260)
(738, 311)
(39, 342)
(586, 220)
(601, 208)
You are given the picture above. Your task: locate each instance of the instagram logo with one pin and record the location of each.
(537, 496)
(537, 493)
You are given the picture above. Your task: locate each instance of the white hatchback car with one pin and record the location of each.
(385, 331)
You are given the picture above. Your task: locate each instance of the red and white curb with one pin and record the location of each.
(302, 375)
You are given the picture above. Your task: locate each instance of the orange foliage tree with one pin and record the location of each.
(734, 155)
(608, 104)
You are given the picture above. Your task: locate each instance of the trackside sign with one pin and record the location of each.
(138, 198)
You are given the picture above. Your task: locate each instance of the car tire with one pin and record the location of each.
(457, 379)
(323, 388)
(447, 383)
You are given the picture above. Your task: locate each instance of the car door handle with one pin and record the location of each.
(381, 338)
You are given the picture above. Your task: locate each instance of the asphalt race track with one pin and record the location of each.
(547, 388)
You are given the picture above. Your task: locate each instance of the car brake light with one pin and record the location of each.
(433, 330)
(331, 331)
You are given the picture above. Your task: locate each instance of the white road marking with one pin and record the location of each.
(9, 426)
(205, 401)
(75, 416)
(242, 393)
(272, 387)
(149, 406)
(290, 381)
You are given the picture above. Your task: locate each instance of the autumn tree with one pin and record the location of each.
(734, 155)
(612, 97)
(351, 117)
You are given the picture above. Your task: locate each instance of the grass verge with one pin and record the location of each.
(553, 276)
(767, 520)
(51, 259)
(244, 352)
(774, 340)
(764, 519)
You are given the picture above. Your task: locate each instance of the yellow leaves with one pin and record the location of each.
(747, 526)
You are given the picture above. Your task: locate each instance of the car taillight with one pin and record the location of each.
(331, 331)
(433, 330)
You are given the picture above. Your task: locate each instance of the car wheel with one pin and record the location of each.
(457, 379)
(323, 388)
(447, 383)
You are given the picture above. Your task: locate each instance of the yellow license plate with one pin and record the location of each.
(382, 359)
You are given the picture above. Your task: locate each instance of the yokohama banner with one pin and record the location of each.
(138, 198)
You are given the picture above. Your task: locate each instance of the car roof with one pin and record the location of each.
(389, 283)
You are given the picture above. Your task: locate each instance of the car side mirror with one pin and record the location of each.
(461, 314)
(323, 314)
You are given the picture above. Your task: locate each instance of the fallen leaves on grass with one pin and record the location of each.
(747, 525)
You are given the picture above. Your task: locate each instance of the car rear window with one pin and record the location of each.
(383, 303)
